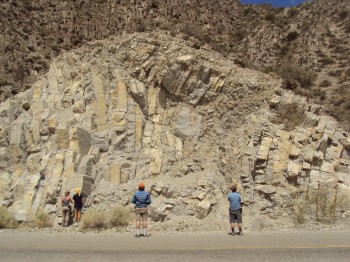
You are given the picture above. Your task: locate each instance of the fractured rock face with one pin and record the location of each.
(187, 125)
(298, 152)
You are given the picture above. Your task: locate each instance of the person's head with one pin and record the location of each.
(233, 188)
(141, 186)
(67, 193)
(77, 190)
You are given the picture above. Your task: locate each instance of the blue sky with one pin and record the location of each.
(275, 3)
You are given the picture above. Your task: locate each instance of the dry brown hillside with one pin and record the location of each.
(312, 38)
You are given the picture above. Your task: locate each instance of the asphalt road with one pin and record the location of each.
(180, 247)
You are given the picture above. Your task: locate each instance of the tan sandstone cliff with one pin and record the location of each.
(188, 122)
(314, 35)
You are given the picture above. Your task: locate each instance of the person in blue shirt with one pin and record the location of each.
(142, 200)
(235, 210)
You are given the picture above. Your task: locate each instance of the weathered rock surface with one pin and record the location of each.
(315, 35)
(187, 122)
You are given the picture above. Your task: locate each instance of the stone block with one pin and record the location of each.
(266, 190)
(79, 140)
(334, 152)
(188, 124)
(202, 209)
(293, 169)
(264, 149)
(295, 152)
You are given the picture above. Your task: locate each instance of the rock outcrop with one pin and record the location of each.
(187, 122)
(314, 35)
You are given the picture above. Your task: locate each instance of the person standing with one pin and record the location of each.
(78, 205)
(142, 200)
(235, 210)
(66, 208)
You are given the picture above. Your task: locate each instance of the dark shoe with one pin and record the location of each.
(240, 233)
(137, 235)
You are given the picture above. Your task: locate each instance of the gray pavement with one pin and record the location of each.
(209, 246)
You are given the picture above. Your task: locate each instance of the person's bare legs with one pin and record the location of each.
(75, 215)
(78, 214)
(138, 225)
(63, 222)
(144, 226)
(240, 228)
(232, 227)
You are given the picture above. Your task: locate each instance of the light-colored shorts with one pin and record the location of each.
(141, 214)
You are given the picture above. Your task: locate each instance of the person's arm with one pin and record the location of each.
(149, 201)
(133, 199)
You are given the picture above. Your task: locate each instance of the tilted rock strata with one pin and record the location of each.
(314, 35)
(187, 122)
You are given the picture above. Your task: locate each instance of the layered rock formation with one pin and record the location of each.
(314, 35)
(187, 122)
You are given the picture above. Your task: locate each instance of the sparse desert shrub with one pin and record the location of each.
(173, 33)
(56, 48)
(270, 17)
(154, 4)
(347, 28)
(300, 207)
(77, 39)
(338, 102)
(119, 216)
(239, 34)
(284, 50)
(240, 62)
(319, 203)
(292, 12)
(94, 219)
(7, 220)
(343, 14)
(343, 201)
(291, 36)
(296, 74)
(100, 1)
(4, 83)
(324, 203)
(268, 69)
(318, 92)
(301, 91)
(335, 73)
(143, 25)
(326, 61)
(42, 219)
(325, 83)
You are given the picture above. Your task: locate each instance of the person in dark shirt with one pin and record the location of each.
(78, 205)
(142, 200)
(235, 210)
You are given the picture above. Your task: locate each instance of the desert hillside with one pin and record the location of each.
(311, 40)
